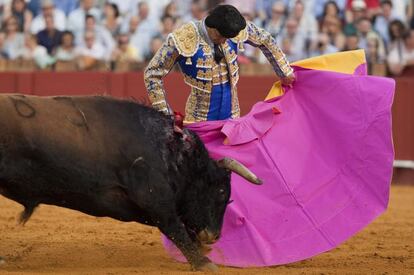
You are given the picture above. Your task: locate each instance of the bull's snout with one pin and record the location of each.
(207, 237)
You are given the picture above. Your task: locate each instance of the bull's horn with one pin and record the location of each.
(239, 169)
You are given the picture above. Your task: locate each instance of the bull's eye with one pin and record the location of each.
(221, 191)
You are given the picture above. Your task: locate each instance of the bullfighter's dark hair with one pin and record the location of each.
(227, 20)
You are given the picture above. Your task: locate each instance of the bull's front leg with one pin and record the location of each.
(177, 233)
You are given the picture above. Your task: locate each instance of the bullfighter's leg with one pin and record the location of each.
(177, 233)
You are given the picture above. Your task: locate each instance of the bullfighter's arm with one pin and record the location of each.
(159, 66)
(262, 39)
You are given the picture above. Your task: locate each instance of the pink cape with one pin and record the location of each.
(326, 162)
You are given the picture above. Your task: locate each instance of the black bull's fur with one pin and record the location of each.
(108, 157)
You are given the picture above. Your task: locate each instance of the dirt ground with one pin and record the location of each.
(61, 241)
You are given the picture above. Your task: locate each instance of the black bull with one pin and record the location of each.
(114, 158)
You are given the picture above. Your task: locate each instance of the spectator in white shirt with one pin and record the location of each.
(66, 51)
(292, 41)
(398, 60)
(76, 19)
(48, 9)
(102, 35)
(382, 21)
(13, 40)
(33, 51)
(146, 29)
(91, 52)
(277, 21)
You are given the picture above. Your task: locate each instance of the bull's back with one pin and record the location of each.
(76, 147)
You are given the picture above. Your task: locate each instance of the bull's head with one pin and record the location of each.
(205, 216)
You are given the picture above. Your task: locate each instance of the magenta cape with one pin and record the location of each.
(326, 162)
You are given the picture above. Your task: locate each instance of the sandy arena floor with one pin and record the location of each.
(60, 241)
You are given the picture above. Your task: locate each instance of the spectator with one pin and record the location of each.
(383, 20)
(19, 10)
(373, 55)
(292, 41)
(365, 33)
(102, 35)
(277, 21)
(332, 26)
(399, 60)
(49, 37)
(396, 31)
(125, 51)
(167, 26)
(155, 45)
(48, 9)
(13, 40)
(66, 51)
(111, 19)
(91, 51)
(198, 11)
(171, 10)
(356, 9)
(351, 42)
(308, 26)
(330, 9)
(77, 18)
(145, 30)
(132, 27)
(323, 46)
(33, 51)
(320, 6)
(363, 8)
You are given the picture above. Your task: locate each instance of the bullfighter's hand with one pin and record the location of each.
(289, 80)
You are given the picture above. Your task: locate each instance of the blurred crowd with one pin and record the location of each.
(86, 31)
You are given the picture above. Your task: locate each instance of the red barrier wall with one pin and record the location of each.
(251, 90)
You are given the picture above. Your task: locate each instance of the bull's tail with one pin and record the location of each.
(26, 214)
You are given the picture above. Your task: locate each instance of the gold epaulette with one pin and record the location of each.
(186, 39)
(241, 37)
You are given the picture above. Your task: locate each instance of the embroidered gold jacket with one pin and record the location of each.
(187, 47)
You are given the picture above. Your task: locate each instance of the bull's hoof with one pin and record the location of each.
(2, 261)
(208, 267)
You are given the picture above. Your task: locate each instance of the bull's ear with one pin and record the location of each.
(240, 169)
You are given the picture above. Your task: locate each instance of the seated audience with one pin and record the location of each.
(91, 51)
(66, 51)
(48, 9)
(13, 39)
(399, 59)
(125, 51)
(18, 9)
(33, 51)
(49, 37)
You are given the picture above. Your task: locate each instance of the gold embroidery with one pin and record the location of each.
(241, 37)
(235, 108)
(186, 39)
(201, 85)
(205, 75)
(204, 63)
(197, 106)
